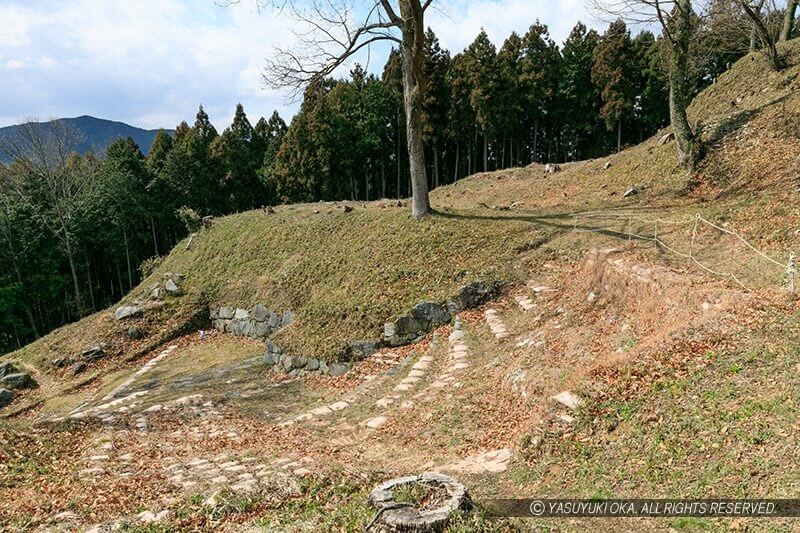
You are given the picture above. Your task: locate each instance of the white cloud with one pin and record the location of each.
(457, 23)
(152, 62)
(15, 64)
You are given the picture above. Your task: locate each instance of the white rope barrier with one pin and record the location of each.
(626, 220)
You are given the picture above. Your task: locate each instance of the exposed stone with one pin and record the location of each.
(288, 318)
(226, 313)
(94, 352)
(359, 350)
(5, 397)
(7, 368)
(127, 311)
(274, 320)
(404, 330)
(19, 380)
(298, 361)
(568, 400)
(475, 294)
(78, 367)
(375, 423)
(171, 287)
(433, 313)
(286, 362)
(312, 365)
(272, 354)
(337, 369)
(247, 328)
(261, 329)
(607, 165)
(135, 333)
(155, 292)
(241, 314)
(631, 192)
(667, 137)
(259, 312)
(551, 168)
(61, 362)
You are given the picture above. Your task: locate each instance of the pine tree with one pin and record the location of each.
(583, 130)
(538, 85)
(435, 103)
(236, 153)
(480, 62)
(614, 61)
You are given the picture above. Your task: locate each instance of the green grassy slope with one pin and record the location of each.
(344, 274)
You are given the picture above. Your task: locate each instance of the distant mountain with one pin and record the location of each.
(97, 133)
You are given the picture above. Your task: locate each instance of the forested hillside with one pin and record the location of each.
(78, 232)
(94, 134)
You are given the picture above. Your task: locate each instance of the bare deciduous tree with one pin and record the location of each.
(788, 20)
(329, 32)
(51, 181)
(767, 33)
(678, 25)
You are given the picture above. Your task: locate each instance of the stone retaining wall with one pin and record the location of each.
(257, 322)
(406, 329)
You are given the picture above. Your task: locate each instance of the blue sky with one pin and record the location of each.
(150, 63)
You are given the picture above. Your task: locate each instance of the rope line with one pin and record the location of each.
(626, 221)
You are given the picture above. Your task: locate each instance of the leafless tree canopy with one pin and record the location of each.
(328, 33)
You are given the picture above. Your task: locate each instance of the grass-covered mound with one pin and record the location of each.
(345, 273)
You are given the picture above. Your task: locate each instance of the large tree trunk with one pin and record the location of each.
(455, 167)
(74, 271)
(679, 86)
(414, 86)
(788, 20)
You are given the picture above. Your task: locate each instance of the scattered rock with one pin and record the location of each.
(475, 294)
(5, 397)
(631, 192)
(171, 287)
(61, 362)
(226, 313)
(78, 368)
(127, 311)
(241, 314)
(269, 210)
(359, 350)
(7, 368)
(568, 400)
(94, 352)
(337, 369)
(347, 208)
(155, 292)
(551, 168)
(207, 221)
(667, 137)
(607, 165)
(404, 330)
(433, 313)
(135, 333)
(19, 380)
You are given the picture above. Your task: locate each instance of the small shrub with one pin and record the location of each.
(190, 219)
(150, 265)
